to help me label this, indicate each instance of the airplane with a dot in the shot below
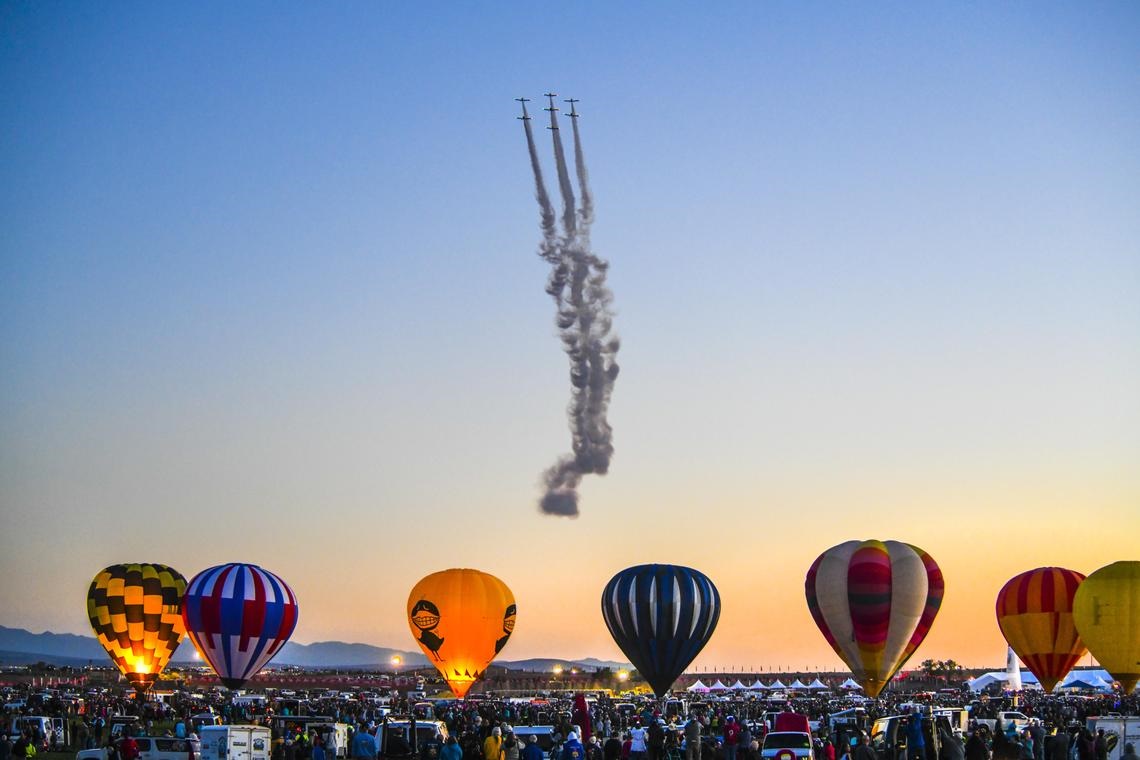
(573, 114)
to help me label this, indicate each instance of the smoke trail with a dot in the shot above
(585, 323)
(568, 214)
(586, 213)
(548, 248)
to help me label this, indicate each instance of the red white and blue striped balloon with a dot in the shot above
(238, 616)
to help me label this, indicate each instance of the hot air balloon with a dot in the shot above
(661, 616)
(461, 619)
(238, 616)
(136, 613)
(874, 602)
(1106, 609)
(1035, 614)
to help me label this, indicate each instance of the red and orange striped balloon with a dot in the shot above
(874, 602)
(1035, 614)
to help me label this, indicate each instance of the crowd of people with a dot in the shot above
(602, 727)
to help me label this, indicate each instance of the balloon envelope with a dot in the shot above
(136, 613)
(238, 616)
(1106, 609)
(661, 616)
(874, 602)
(461, 619)
(1035, 614)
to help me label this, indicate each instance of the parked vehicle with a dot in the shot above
(150, 748)
(235, 742)
(47, 731)
(889, 736)
(425, 731)
(787, 745)
(333, 734)
(1118, 731)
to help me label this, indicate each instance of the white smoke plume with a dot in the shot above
(584, 316)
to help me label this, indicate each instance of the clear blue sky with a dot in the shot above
(269, 292)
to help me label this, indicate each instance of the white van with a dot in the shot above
(235, 742)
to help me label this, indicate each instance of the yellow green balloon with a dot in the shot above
(1106, 610)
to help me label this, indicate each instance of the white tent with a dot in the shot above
(798, 684)
(738, 686)
(718, 686)
(757, 686)
(777, 684)
(1097, 678)
(698, 686)
(817, 684)
(850, 684)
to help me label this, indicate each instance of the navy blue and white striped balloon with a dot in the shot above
(661, 616)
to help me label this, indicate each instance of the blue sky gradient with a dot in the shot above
(269, 292)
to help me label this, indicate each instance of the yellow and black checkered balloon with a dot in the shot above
(136, 612)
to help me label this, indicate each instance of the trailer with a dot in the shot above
(1118, 731)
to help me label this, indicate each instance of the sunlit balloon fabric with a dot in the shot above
(874, 602)
(239, 616)
(1106, 609)
(461, 619)
(661, 616)
(136, 613)
(1035, 614)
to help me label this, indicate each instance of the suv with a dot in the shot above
(787, 745)
(151, 748)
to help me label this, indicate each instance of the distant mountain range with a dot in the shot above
(21, 647)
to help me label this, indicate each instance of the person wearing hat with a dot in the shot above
(573, 749)
(532, 751)
(510, 743)
(493, 744)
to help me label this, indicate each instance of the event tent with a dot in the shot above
(738, 686)
(718, 686)
(698, 686)
(798, 684)
(777, 684)
(850, 684)
(757, 686)
(1097, 678)
(817, 684)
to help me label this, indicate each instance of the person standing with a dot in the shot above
(451, 749)
(363, 744)
(693, 739)
(731, 737)
(493, 745)
(129, 748)
(573, 749)
(863, 749)
(1037, 733)
(915, 741)
(637, 746)
(1100, 746)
